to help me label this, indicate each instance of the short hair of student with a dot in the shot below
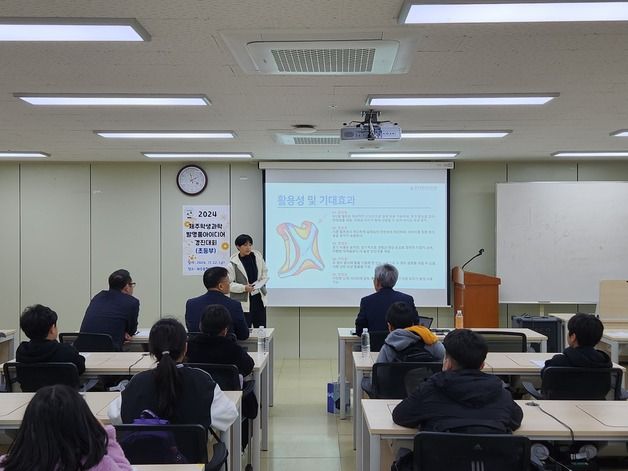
(213, 276)
(58, 432)
(587, 327)
(400, 315)
(467, 348)
(37, 320)
(215, 319)
(243, 239)
(119, 279)
(387, 275)
(166, 342)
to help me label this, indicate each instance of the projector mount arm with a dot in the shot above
(369, 122)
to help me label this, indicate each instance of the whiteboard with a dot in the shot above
(557, 240)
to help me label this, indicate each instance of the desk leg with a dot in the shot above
(265, 405)
(614, 350)
(235, 452)
(362, 453)
(374, 452)
(544, 346)
(271, 372)
(342, 376)
(257, 433)
(357, 410)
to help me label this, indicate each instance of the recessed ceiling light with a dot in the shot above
(403, 155)
(414, 12)
(166, 134)
(454, 134)
(610, 153)
(620, 133)
(22, 154)
(72, 29)
(493, 99)
(198, 155)
(112, 100)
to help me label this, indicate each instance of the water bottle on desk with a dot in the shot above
(365, 341)
(459, 320)
(261, 339)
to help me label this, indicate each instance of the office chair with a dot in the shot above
(397, 380)
(169, 444)
(463, 452)
(574, 383)
(33, 376)
(88, 342)
(504, 341)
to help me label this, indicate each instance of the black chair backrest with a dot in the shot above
(397, 380)
(466, 452)
(426, 321)
(227, 376)
(505, 341)
(88, 342)
(33, 376)
(163, 444)
(573, 383)
(377, 338)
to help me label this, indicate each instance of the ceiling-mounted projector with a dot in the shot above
(370, 128)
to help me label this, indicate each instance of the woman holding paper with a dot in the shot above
(248, 275)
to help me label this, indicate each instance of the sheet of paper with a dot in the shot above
(259, 283)
(84, 354)
(539, 363)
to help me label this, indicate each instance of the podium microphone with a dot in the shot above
(480, 252)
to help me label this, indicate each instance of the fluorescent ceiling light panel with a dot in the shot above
(112, 100)
(72, 29)
(610, 153)
(536, 12)
(454, 134)
(22, 154)
(403, 155)
(198, 155)
(620, 133)
(166, 134)
(462, 100)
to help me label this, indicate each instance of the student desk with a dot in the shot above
(589, 420)
(249, 345)
(346, 341)
(13, 405)
(7, 345)
(615, 338)
(609, 324)
(507, 364)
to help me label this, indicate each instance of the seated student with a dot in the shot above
(585, 332)
(59, 432)
(213, 345)
(39, 323)
(461, 398)
(174, 392)
(407, 341)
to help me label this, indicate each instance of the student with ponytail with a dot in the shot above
(174, 392)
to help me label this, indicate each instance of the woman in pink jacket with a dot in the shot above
(60, 433)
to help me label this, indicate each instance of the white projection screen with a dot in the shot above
(557, 240)
(327, 230)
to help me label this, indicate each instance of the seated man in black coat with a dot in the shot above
(39, 323)
(373, 308)
(216, 280)
(461, 398)
(585, 332)
(114, 311)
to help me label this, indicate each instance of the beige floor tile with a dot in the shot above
(303, 464)
(289, 445)
(345, 427)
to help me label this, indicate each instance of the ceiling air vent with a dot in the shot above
(324, 57)
(292, 139)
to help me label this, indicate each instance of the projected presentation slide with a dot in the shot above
(327, 231)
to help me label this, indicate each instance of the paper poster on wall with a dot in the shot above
(206, 236)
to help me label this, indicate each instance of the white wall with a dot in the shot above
(65, 227)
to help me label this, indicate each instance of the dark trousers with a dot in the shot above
(257, 312)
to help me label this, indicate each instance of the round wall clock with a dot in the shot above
(192, 180)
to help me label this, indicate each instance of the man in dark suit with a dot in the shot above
(216, 280)
(373, 308)
(114, 311)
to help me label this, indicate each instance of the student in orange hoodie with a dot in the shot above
(406, 341)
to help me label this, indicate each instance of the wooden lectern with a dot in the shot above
(477, 296)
